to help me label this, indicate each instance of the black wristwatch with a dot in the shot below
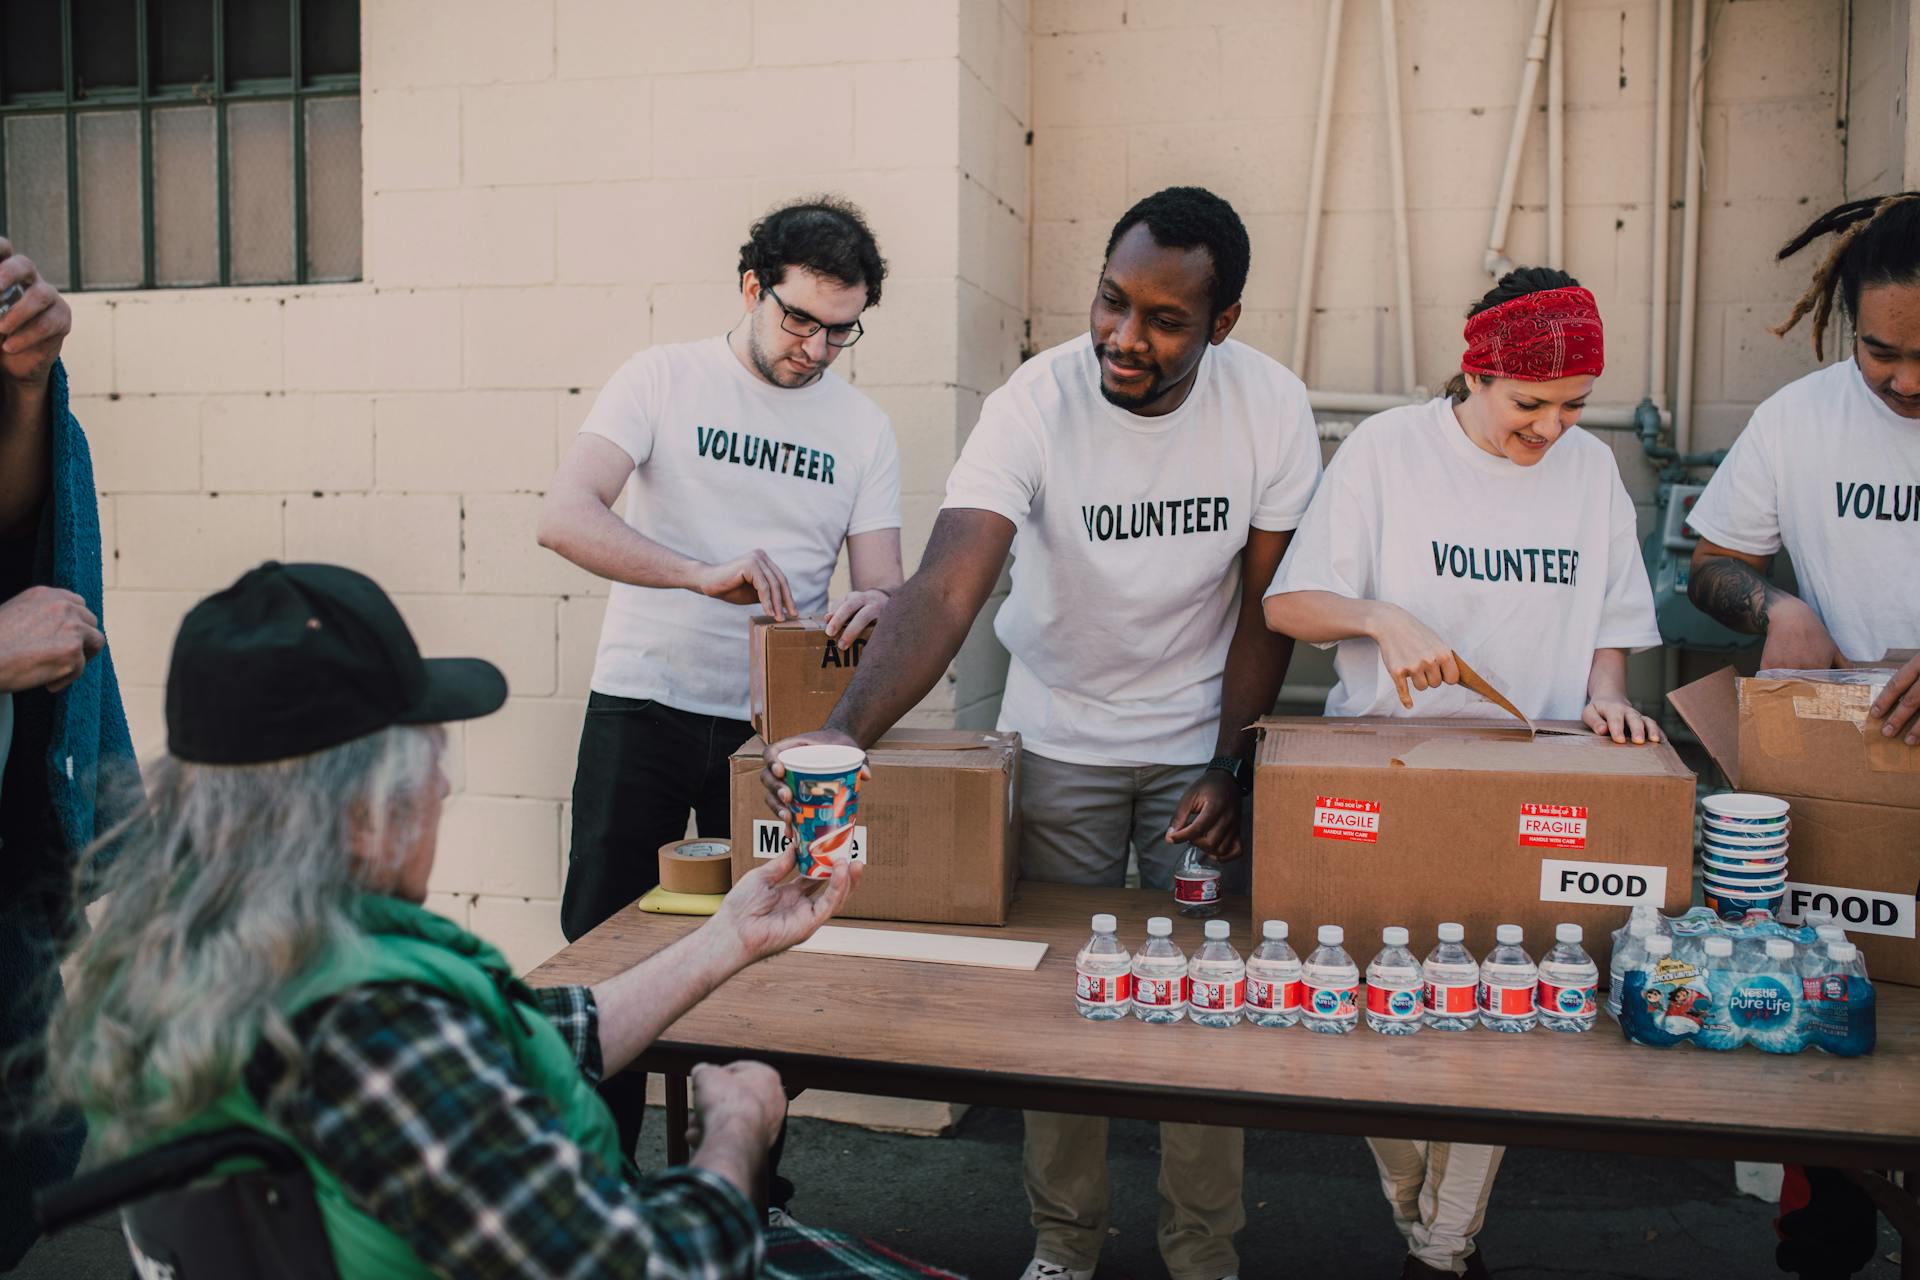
(1234, 767)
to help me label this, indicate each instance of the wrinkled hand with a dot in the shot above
(47, 637)
(739, 1105)
(35, 326)
(1412, 653)
(750, 579)
(1208, 816)
(853, 613)
(773, 774)
(1899, 703)
(1798, 641)
(770, 909)
(1617, 718)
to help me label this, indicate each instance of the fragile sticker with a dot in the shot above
(1855, 910)
(1615, 884)
(1335, 818)
(770, 838)
(1553, 826)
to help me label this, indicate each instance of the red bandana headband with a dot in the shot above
(1536, 337)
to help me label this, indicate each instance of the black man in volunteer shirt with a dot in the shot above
(1828, 467)
(751, 463)
(1146, 477)
(1484, 522)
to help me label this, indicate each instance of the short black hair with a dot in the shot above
(825, 234)
(1876, 241)
(1517, 283)
(1195, 218)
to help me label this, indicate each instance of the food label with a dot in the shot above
(1274, 997)
(1197, 888)
(1338, 1003)
(1335, 818)
(1855, 910)
(1613, 884)
(1219, 997)
(1506, 1002)
(1159, 993)
(1447, 999)
(1399, 1004)
(770, 838)
(1554, 826)
(1569, 1002)
(1114, 990)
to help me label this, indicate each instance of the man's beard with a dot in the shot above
(770, 369)
(1155, 388)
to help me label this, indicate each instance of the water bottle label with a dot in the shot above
(1445, 999)
(1160, 993)
(1760, 1003)
(1401, 1004)
(1115, 990)
(1339, 1003)
(1197, 888)
(1506, 1002)
(1219, 997)
(1273, 997)
(1571, 1002)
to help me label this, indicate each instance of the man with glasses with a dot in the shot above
(750, 462)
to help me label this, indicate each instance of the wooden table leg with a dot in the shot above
(676, 1084)
(1910, 1230)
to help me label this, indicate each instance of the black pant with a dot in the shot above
(643, 765)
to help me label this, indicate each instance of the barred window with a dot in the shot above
(172, 143)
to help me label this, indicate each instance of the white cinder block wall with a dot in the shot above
(551, 184)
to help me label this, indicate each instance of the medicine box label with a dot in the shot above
(1553, 826)
(770, 838)
(1335, 818)
(1616, 884)
(1855, 910)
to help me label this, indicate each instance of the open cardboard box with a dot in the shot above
(1368, 822)
(796, 672)
(937, 826)
(1855, 843)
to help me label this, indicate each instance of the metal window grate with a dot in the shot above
(176, 143)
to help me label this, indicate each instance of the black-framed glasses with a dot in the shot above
(802, 325)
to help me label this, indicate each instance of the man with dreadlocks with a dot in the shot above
(1829, 468)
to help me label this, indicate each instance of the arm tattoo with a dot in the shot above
(1733, 593)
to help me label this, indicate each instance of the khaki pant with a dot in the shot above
(1438, 1193)
(1078, 823)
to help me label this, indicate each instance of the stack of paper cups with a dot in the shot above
(1744, 847)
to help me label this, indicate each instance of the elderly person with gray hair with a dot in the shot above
(263, 959)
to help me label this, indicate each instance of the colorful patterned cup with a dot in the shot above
(1744, 874)
(1744, 808)
(825, 781)
(1733, 904)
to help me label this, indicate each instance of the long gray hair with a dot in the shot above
(230, 881)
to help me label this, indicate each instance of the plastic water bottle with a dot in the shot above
(1829, 933)
(1450, 983)
(1159, 975)
(1273, 979)
(1330, 1002)
(1508, 978)
(1567, 996)
(1216, 980)
(1105, 987)
(1629, 945)
(1717, 1028)
(1196, 883)
(1844, 1020)
(1393, 986)
(1767, 1005)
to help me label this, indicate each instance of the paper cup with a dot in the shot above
(1728, 853)
(1734, 904)
(1749, 831)
(1725, 875)
(825, 781)
(1744, 808)
(1756, 841)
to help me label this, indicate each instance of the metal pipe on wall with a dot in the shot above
(1690, 225)
(1496, 261)
(1316, 184)
(1662, 203)
(1557, 140)
(1397, 171)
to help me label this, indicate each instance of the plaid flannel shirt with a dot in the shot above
(411, 1103)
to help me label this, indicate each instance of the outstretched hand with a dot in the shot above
(770, 909)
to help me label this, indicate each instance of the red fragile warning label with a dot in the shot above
(1335, 818)
(1554, 826)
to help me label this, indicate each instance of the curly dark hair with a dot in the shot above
(1876, 241)
(825, 234)
(1517, 283)
(1195, 218)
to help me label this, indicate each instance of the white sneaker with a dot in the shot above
(1041, 1269)
(778, 1217)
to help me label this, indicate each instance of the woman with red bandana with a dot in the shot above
(1485, 524)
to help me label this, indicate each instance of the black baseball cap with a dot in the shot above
(296, 658)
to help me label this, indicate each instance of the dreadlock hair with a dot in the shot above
(1517, 283)
(1876, 241)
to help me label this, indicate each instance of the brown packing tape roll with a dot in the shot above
(696, 866)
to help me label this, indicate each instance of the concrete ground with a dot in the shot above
(1313, 1206)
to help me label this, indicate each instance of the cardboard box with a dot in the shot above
(796, 673)
(1371, 821)
(938, 826)
(1855, 844)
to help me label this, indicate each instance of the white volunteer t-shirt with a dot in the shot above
(725, 463)
(1523, 571)
(1827, 470)
(1126, 572)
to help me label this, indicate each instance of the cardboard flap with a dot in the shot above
(1710, 707)
(1547, 754)
(939, 740)
(1479, 684)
